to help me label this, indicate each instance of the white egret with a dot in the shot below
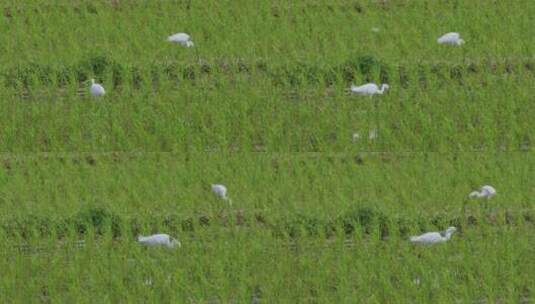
(369, 89)
(430, 238)
(96, 89)
(158, 240)
(451, 38)
(221, 191)
(484, 192)
(181, 38)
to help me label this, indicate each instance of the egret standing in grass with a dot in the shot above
(181, 38)
(486, 192)
(431, 238)
(221, 191)
(158, 240)
(97, 90)
(451, 38)
(369, 89)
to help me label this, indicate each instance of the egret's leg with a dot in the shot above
(376, 117)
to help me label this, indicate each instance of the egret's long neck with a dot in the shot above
(475, 194)
(382, 89)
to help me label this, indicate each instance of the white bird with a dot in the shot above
(96, 89)
(158, 240)
(181, 38)
(451, 38)
(484, 192)
(369, 89)
(430, 238)
(221, 191)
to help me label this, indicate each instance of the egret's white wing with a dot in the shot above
(366, 89)
(220, 190)
(97, 90)
(488, 191)
(449, 37)
(156, 239)
(179, 37)
(427, 238)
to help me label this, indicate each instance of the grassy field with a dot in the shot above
(261, 104)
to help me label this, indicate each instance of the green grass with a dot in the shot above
(484, 112)
(489, 263)
(318, 184)
(278, 31)
(260, 104)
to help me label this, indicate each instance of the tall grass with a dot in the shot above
(314, 184)
(484, 264)
(484, 112)
(283, 32)
(261, 105)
